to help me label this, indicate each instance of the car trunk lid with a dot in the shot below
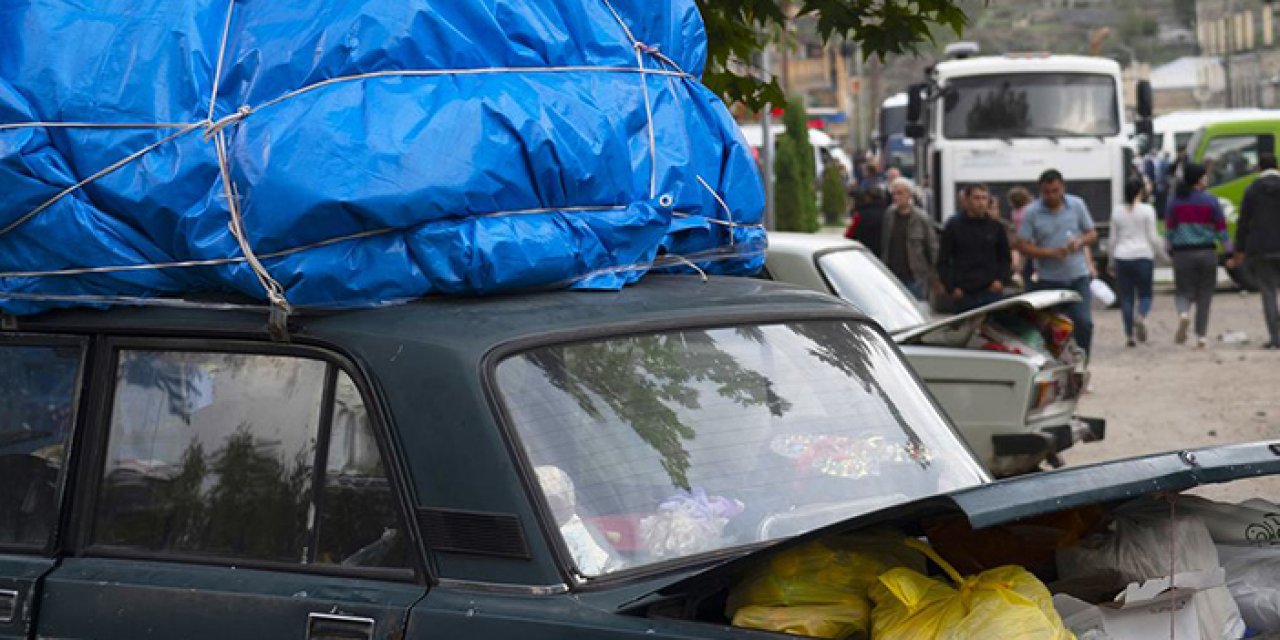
(1032, 301)
(1010, 500)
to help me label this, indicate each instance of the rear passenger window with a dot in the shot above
(216, 454)
(211, 454)
(358, 523)
(37, 412)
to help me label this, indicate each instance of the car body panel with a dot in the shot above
(1031, 300)
(105, 598)
(20, 576)
(423, 369)
(434, 411)
(983, 400)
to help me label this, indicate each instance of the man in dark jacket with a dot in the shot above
(1258, 240)
(973, 258)
(908, 243)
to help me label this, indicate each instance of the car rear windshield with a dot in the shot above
(654, 447)
(863, 281)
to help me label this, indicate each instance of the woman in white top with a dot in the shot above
(1135, 243)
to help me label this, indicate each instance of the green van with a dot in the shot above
(1230, 151)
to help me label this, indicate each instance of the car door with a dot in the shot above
(38, 407)
(232, 491)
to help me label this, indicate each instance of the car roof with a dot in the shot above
(1243, 126)
(1026, 63)
(475, 321)
(782, 242)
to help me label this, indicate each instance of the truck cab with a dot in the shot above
(1003, 120)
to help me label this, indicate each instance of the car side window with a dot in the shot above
(358, 522)
(211, 454)
(37, 413)
(221, 454)
(1230, 158)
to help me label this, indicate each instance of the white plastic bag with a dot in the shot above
(1102, 293)
(1251, 523)
(1138, 548)
(1253, 576)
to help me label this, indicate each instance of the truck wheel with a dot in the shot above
(1243, 278)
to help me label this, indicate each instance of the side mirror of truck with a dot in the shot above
(1145, 105)
(915, 110)
(1144, 127)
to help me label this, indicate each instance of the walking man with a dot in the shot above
(973, 258)
(1258, 240)
(909, 243)
(1055, 231)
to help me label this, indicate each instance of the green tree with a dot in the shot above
(834, 200)
(737, 30)
(795, 174)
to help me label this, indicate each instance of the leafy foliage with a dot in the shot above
(834, 201)
(795, 174)
(739, 29)
(647, 381)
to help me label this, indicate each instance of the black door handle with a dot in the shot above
(335, 626)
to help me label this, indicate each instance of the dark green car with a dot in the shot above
(543, 466)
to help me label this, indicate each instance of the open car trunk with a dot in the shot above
(1006, 325)
(991, 517)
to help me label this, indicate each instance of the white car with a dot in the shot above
(1011, 393)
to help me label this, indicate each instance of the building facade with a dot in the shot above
(1243, 34)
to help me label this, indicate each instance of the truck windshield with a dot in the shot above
(666, 445)
(1031, 105)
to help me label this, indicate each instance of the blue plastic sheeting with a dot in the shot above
(379, 151)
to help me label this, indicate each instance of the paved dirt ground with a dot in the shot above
(1162, 397)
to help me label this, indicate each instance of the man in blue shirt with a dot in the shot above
(1055, 232)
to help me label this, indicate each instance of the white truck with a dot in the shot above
(1003, 120)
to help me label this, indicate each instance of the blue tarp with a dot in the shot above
(378, 150)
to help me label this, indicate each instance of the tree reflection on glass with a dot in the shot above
(243, 500)
(1000, 110)
(839, 346)
(643, 379)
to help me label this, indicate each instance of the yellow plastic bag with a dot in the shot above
(1006, 603)
(819, 589)
(823, 572)
(846, 620)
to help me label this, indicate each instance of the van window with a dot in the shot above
(37, 412)
(1230, 158)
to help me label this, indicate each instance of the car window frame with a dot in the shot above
(80, 400)
(525, 467)
(103, 387)
(1263, 141)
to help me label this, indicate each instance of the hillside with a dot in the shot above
(1151, 31)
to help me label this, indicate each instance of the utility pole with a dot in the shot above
(1229, 45)
(766, 145)
(859, 105)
